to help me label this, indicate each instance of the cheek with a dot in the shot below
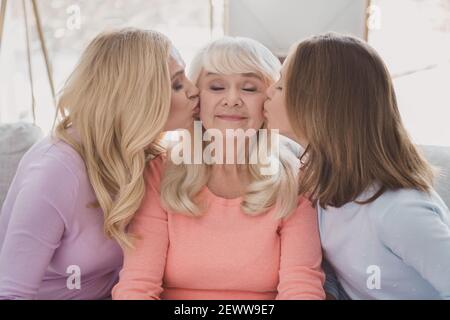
(272, 104)
(206, 110)
(283, 111)
(255, 110)
(179, 112)
(176, 113)
(178, 101)
(277, 109)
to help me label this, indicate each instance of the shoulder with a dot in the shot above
(52, 170)
(403, 201)
(52, 155)
(407, 209)
(304, 213)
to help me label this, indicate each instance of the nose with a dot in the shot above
(270, 91)
(233, 98)
(192, 91)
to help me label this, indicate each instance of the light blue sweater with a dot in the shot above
(397, 247)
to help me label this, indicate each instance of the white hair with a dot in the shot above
(235, 55)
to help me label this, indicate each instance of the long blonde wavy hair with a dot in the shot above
(182, 183)
(117, 100)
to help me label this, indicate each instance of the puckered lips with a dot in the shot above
(196, 108)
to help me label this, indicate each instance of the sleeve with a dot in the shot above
(300, 275)
(42, 206)
(143, 269)
(416, 231)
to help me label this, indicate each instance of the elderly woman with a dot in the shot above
(221, 229)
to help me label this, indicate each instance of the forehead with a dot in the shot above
(175, 68)
(176, 63)
(285, 65)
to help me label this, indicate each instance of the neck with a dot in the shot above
(228, 180)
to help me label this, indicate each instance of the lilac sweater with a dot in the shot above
(52, 245)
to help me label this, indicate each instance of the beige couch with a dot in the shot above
(15, 140)
(440, 158)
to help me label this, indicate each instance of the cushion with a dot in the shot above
(15, 140)
(439, 157)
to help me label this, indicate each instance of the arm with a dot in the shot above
(36, 226)
(331, 286)
(143, 270)
(300, 272)
(415, 231)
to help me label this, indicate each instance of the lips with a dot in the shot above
(196, 108)
(264, 109)
(231, 117)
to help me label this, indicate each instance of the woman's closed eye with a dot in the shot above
(250, 89)
(216, 88)
(177, 86)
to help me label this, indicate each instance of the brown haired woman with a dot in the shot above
(383, 228)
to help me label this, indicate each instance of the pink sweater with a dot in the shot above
(224, 254)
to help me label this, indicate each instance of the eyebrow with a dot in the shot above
(177, 74)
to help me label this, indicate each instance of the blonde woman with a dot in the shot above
(67, 210)
(384, 229)
(225, 231)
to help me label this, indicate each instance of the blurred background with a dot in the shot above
(412, 36)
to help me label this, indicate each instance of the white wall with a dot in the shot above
(279, 23)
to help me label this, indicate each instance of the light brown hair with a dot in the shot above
(340, 98)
